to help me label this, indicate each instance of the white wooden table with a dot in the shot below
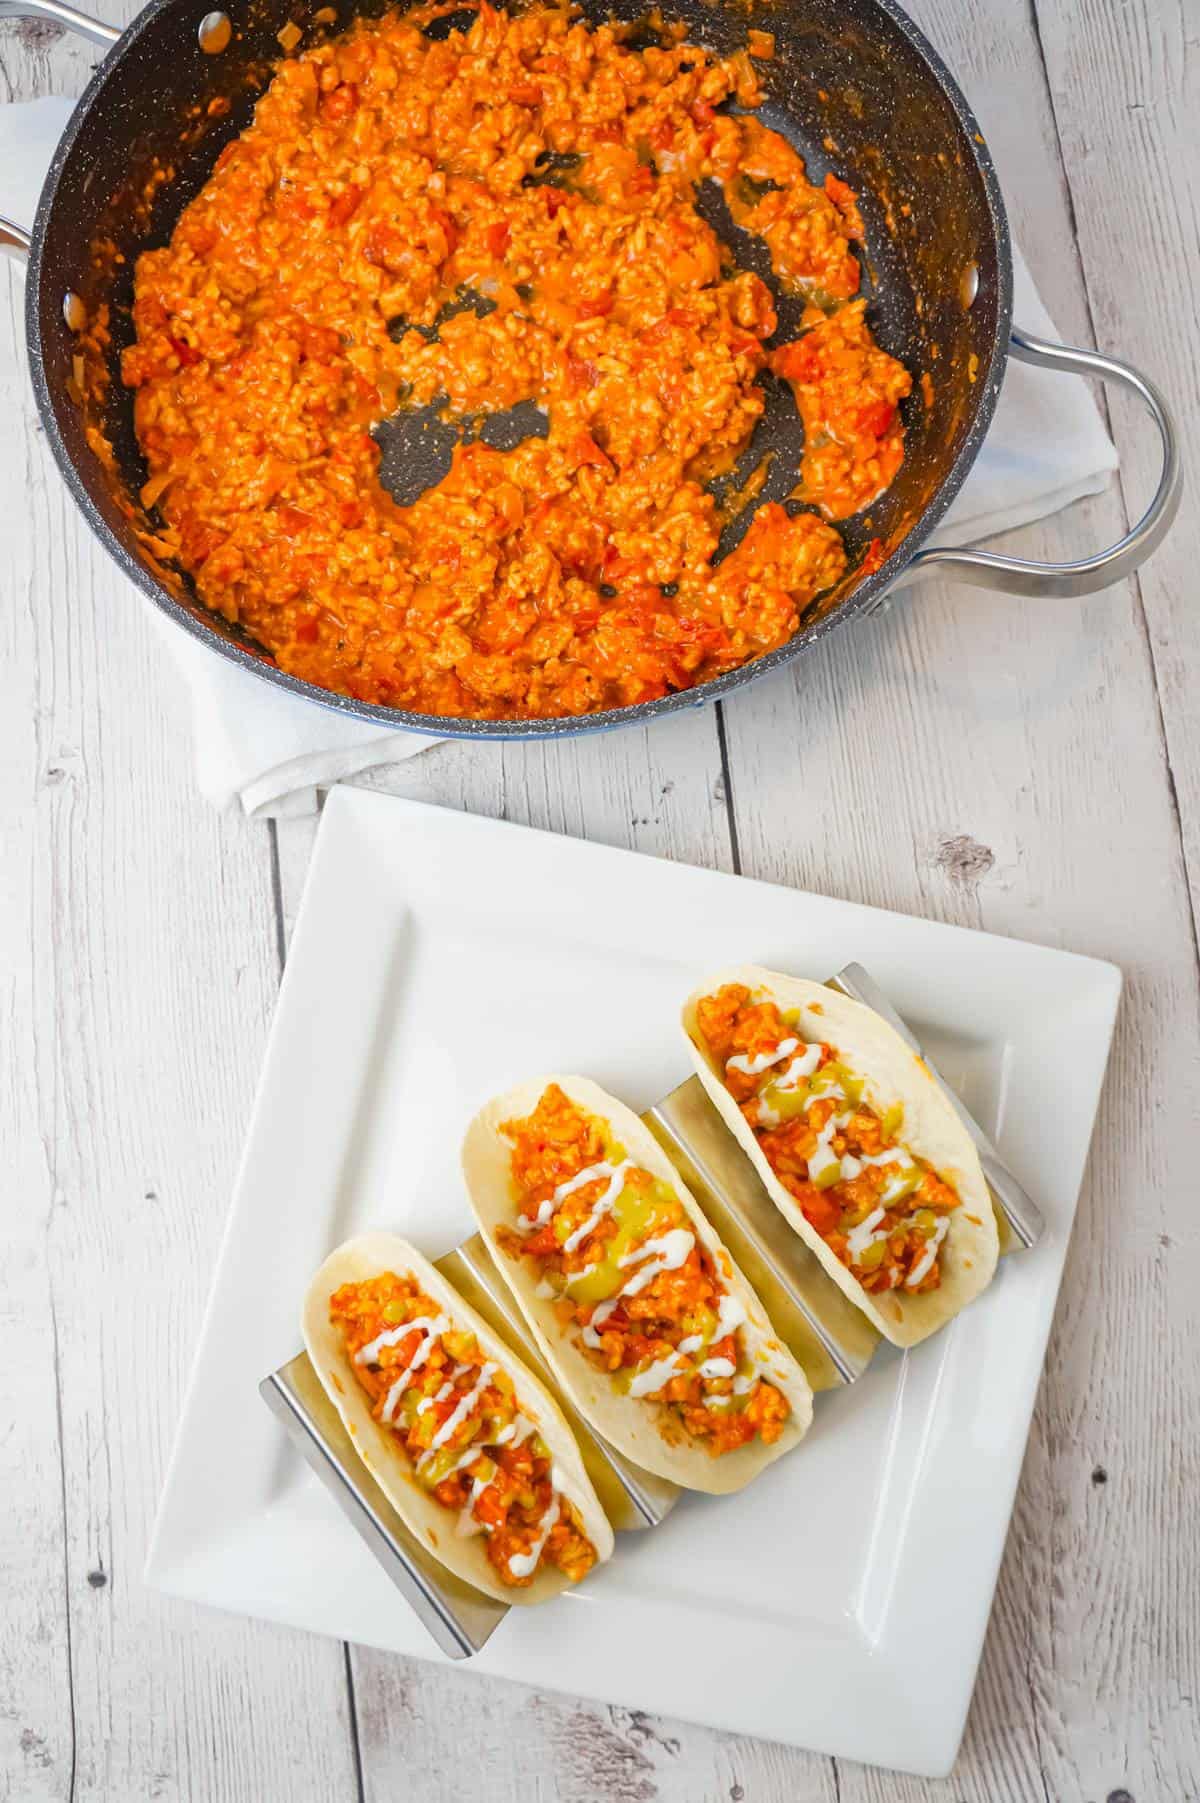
(1031, 768)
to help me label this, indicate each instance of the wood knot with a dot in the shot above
(39, 34)
(964, 860)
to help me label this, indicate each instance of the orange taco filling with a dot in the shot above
(881, 1209)
(455, 1413)
(642, 1296)
(473, 213)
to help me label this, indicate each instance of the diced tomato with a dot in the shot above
(293, 520)
(490, 1507)
(319, 344)
(498, 237)
(839, 192)
(340, 103)
(702, 113)
(184, 351)
(663, 136)
(585, 450)
(306, 632)
(346, 204)
(580, 373)
(877, 419)
(799, 362)
(820, 1210)
(597, 306)
(555, 198)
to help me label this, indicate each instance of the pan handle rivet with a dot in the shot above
(215, 33)
(74, 311)
(968, 286)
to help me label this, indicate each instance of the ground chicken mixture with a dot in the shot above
(634, 1285)
(880, 1208)
(471, 220)
(455, 1415)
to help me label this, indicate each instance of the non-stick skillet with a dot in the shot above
(854, 73)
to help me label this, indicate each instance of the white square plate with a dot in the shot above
(840, 1603)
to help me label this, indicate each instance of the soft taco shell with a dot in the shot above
(891, 1073)
(644, 1431)
(382, 1453)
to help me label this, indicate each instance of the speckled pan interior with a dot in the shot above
(853, 84)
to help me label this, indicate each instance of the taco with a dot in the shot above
(854, 1141)
(465, 1441)
(641, 1313)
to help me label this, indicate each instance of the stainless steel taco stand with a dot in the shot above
(832, 1340)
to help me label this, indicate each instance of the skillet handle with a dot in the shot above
(1019, 575)
(14, 239)
(55, 12)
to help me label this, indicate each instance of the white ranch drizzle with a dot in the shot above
(865, 1234)
(428, 1402)
(392, 1336)
(799, 1068)
(459, 1413)
(666, 1253)
(591, 1173)
(731, 1314)
(655, 1375)
(467, 1526)
(605, 1204)
(924, 1264)
(754, 1067)
(824, 1157)
(600, 1314)
(431, 1326)
(523, 1565)
(898, 1185)
(514, 1432)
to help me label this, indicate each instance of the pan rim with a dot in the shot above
(865, 598)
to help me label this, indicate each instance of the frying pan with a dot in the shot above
(855, 87)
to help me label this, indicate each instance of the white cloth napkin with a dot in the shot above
(270, 752)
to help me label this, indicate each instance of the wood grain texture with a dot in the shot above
(1124, 76)
(138, 968)
(1027, 768)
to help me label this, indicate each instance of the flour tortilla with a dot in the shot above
(647, 1432)
(384, 1456)
(891, 1073)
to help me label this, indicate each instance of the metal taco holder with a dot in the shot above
(831, 1339)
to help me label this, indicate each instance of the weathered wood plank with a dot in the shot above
(1125, 83)
(139, 966)
(974, 758)
(981, 759)
(35, 1671)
